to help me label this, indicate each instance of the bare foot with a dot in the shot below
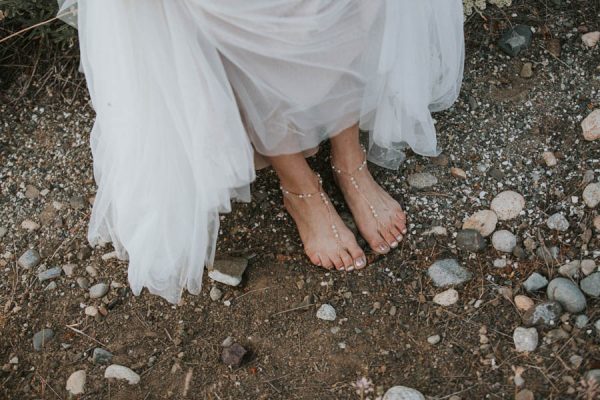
(327, 241)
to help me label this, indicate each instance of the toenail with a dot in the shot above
(404, 231)
(383, 247)
(394, 244)
(399, 238)
(342, 268)
(360, 262)
(350, 268)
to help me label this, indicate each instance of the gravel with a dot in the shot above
(557, 222)
(41, 338)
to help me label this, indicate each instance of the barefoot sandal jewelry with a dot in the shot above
(351, 176)
(321, 194)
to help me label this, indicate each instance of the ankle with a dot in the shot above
(301, 186)
(350, 160)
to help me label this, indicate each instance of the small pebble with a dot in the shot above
(98, 290)
(76, 383)
(434, 339)
(523, 303)
(233, 355)
(326, 313)
(101, 356)
(567, 294)
(535, 282)
(591, 285)
(526, 339)
(446, 298)
(115, 371)
(557, 222)
(483, 221)
(215, 293)
(504, 241)
(591, 195)
(403, 393)
(507, 205)
(41, 338)
(421, 180)
(549, 158)
(581, 321)
(29, 259)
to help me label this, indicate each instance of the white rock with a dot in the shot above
(483, 221)
(446, 298)
(591, 126)
(557, 222)
(436, 230)
(326, 313)
(434, 339)
(591, 195)
(30, 225)
(76, 383)
(215, 293)
(120, 372)
(549, 158)
(526, 339)
(590, 39)
(507, 205)
(421, 180)
(500, 263)
(91, 311)
(403, 393)
(504, 241)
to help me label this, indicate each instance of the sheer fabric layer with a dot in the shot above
(172, 81)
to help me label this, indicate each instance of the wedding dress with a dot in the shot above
(185, 92)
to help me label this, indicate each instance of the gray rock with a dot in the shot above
(516, 40)
(215, 293)
(69, 269)
(567, 294)
(31, 258)
(326, 312)
(526, 339)
(557, 222)
(499, 263)
(588, 176)
(233, 355)
(228, 270)
(448, 272)
(120, 372)
(519, 253)
(535, 282)
(470, 240)
(547, 313)
(504, 241)
(101, 356)
(76, 383)
(581, 321)
(591, 285)
(507, 205)
(403, 393)
(555, 335)
(51, 273)
(41, 338)
(98, 290)
(591, 195)
(421, 180)
(83, 283)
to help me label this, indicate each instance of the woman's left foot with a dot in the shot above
(379, 218)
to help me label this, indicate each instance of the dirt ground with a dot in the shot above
(496, 132)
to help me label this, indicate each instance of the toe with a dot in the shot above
(390, 239)
(394, 231)
(358, 255)
(326, 262)
(314, 259)
(379, 245)
(337, 262)
(400, 222)
(347, 260)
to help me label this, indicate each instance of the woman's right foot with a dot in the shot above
(327, 240)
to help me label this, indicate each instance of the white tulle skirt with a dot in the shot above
(185, 91)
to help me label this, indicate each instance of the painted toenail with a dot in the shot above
(394, 244)
(360, 262)
(399, 238)
(350, 268)
(383, 247)
(342, 268)
(404, 231)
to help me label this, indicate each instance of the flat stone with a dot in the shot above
(570, 269)
(421, 180)
(483, 221)
(115, 371)
(567, 294)
(535, 282)
(591, 126)
(446, 298)
(504, 241)
(326, 312)
(588, 266)
(507, 205)
(557, 222)
(402, 393)
(50, 273)
(448, 272)
(591, 285)
(515, 40)
(523, 303)
(30, 259)
(470, 240)
(76, 383)
(98, 290)
(591, 195)
(547, 313)
(434, 339)
(590, 39)
(101, 356)
(526, 339)
(233, 355)
(41, 338)
(228, 270)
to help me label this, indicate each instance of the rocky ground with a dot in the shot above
(493, 294)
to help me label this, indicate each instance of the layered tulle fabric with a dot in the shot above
(185, 90)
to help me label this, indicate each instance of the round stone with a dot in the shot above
(557, 222)
(446, 298)
(507, 205)
(591, 195)
(98, 290)
(526, 339)
(567, 294)
(483, 221)
(403, 393)
(326, 312)
(591, 285)
(523, 303)
(76, 383)
(504, 241)
(434, 339)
